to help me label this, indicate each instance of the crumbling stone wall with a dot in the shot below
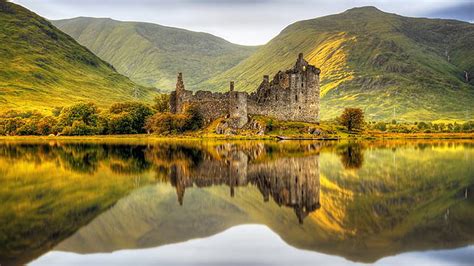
(292, 95)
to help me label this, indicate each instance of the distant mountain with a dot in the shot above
(391, 66)
(152, 54)
(41, 67)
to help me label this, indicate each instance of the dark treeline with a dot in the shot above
(87, 119)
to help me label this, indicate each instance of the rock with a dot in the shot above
(314, 131)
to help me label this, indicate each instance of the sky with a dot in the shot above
(247, 22)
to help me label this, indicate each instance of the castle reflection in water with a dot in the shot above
(290, 181)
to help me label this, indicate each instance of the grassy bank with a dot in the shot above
(196, 136)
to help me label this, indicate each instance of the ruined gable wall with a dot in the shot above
(292, 95)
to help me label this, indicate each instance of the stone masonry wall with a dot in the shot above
(292, 95)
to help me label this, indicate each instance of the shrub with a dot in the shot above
(352, 118)
(270, 125)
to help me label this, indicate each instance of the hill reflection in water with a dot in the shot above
(362, 201)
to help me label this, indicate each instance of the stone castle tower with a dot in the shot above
(292, 95)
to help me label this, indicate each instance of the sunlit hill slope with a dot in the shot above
(41, 67)
(389, 65)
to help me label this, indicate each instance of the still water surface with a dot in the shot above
(237, 203)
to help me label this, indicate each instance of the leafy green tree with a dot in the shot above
(166, 123)
(12, 125)
(46, 125)
(128, 118)
(29, 128)
(121, 124)
(457, 127)
(382, 126)
(87, 113)
(352, 118)
(423, 125)
(79, 118)
(449, 127)
(195, 119)
(468, 126)
(80, 128)
(162, 103)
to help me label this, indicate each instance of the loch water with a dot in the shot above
(163, 202)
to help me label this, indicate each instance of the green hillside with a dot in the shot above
(152, 54)
(41, 67)
(381, 62)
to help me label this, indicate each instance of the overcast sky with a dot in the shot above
(247, 22)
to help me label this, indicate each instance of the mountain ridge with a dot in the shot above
(374, 60)
(152, 54)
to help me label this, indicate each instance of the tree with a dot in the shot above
(46, 125)
(352, 118)
(195, 119)
(423, 125)
(128, 118)
(165, 123)
(121, 124)
(381, 126)
(84, 112)
(79, 128)
(162, 103)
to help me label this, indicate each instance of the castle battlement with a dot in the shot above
(292, 95)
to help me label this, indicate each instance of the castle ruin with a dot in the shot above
(292, 95)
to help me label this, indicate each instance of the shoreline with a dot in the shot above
(158, 138)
